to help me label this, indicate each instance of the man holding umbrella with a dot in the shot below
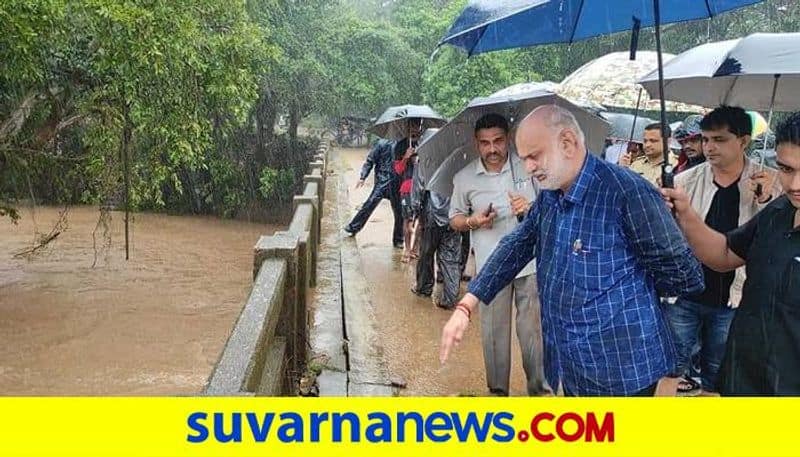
(403, 124)
(762, 354)
(489, 195)
(649, 165)
(723, 191)
(381, 157)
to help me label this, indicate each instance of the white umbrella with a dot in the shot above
(742, 72)
(453, 146)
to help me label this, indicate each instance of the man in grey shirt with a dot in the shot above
(489, 197)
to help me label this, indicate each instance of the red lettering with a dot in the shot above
(563, 433)
(587, 428)
(543, 437)
(600, 433)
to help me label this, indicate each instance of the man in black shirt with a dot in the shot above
(722, 192)
(762, 355)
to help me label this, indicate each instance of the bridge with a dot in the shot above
(333, 316)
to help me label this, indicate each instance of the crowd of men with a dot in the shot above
(643, 289)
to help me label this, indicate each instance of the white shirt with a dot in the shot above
(474, 188)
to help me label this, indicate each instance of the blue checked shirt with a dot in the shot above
(606, 250)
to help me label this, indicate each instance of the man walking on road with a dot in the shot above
(606, 247)
(381, 157)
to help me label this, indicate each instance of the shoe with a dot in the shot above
(348, 233)
(418, 293)
(399, 245)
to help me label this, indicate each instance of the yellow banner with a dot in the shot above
(440, 427)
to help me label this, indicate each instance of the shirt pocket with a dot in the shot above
(591, 264)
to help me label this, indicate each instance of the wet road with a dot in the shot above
(411, 326)
(154, 325)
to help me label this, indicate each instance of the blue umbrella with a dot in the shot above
(487, 25)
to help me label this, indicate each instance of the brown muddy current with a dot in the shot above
(154, 325)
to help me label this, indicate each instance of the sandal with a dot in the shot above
(688, 386)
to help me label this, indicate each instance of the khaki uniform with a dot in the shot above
(650, 170)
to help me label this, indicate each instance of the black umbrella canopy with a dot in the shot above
(622, 123)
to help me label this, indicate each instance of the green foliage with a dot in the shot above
(167, 80)
(275, 182)
(453, 80)
(190, 90)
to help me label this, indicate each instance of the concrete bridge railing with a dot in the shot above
(266, 351)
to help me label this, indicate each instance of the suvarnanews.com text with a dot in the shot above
(399, 427)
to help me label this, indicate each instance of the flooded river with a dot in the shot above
(153, 325)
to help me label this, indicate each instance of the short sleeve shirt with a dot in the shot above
(474, 188)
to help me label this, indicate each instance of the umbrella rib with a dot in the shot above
(708, 8)
(730, 89)
(477, 42)
(577, 18)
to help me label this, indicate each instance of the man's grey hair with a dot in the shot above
(558, 118)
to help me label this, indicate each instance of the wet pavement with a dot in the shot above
(410, 326)
(154, 325)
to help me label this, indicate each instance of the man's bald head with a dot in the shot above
(551, 144)
(555, 119)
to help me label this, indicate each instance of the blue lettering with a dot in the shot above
(499, 424)
(236, 428)
(383, 425)
(402, 418)
(355, 427)
(316, 423)
(295, 425)
(260, 432)
(471, 426)
(446, 426)
(194, 424)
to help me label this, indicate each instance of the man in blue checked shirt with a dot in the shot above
(607, 249)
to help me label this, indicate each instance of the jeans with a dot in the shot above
(690, 321)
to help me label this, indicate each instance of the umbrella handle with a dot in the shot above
(759, 187)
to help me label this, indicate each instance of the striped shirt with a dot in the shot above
(606, 250)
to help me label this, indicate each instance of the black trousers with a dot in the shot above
(445, 244)
(372, 202)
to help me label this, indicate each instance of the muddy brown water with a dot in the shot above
(409, 325)
(154, 325)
